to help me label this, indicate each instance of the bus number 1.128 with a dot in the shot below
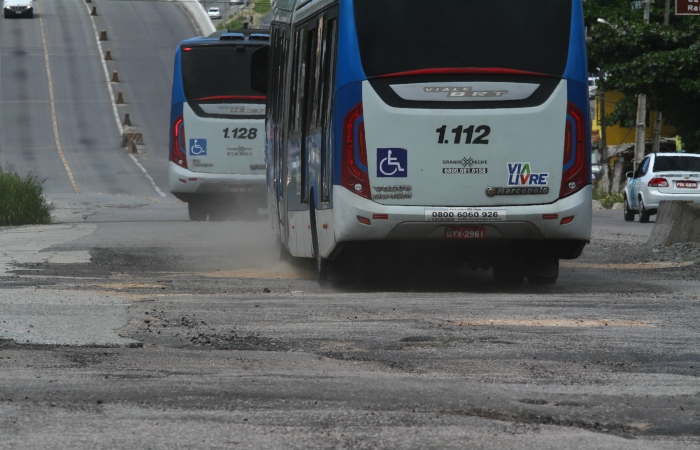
(241, 133)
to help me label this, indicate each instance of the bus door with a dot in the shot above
(316, 109)
(278, 70)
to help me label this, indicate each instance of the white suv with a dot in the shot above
(661, 176)
(18, 8)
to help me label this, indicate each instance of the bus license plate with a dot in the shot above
(465, 214)
(687, 184)
(465, 232)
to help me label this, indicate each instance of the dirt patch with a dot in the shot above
(571, 323)
(629, 266)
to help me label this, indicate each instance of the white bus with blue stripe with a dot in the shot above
(406, 130)
(217, 125)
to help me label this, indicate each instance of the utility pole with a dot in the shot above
(658, 123)
(0, 86)
(639, 145)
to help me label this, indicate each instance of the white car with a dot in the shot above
(661, 176)
(592, 87)
(18, 8)
(235, 2)
(214, 13)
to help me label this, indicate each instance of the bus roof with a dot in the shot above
(234, 37)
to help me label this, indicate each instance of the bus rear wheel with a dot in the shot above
(544, 273)
(197, 211)
(322, 264)
(507, 274)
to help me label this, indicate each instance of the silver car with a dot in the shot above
(661, 176)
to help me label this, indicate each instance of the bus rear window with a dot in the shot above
(407, 35)
(217, 71)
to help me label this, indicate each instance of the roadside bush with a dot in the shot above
(609, 200)
(258, 10)
(21, 199)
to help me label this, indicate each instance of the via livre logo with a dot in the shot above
(520, 174)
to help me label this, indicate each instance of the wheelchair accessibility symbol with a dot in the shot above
(198, 147)
(392, 163)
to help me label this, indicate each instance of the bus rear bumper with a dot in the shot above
(568, 219)
(184, 183)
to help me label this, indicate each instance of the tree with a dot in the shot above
(660, 61)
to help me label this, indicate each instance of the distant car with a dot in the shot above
(592, 87)
(18, 8)
(235, 2)
(661, 176)
(214, 13)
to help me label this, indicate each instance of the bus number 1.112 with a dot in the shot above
(481, 132)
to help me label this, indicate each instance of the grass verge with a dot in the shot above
(258, 10)
(21, 199)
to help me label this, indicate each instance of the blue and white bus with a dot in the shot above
(217, 125)
(456, 129)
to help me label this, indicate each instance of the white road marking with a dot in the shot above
(53, 104)
(114, 103)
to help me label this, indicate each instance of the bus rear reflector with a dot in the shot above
(567, 220)
(353, 177)
(178, 150)
(575, 169)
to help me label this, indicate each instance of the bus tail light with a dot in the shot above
(575, 173)
(178, 150)
(658, 182)
(354, 167)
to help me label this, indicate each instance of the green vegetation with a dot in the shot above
(262, 7)
(608, 200)
(21, 199)
(236, 23)
(258, 10)
(661, 61)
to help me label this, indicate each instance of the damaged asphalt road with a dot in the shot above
(152, 334)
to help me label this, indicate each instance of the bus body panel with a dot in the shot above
(226, 145)
(453, 157)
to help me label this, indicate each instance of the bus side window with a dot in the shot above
(318, 76)
(298, 80)
(325, 105)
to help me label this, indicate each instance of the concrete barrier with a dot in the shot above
(200, 17)
(676, 222)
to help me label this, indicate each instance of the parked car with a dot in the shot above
(661, 176)
(235, 2)
(214, 13)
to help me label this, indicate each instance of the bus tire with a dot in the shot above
(197, 211)
(643, 213)
(508, 275)
(322, 264)
(544, 274)
(629, 214)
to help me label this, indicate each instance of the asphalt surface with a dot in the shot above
(124, 325)
(121, 331)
